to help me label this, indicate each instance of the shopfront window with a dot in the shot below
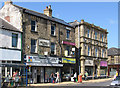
(68, 49)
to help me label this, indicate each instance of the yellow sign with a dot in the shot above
(69, 60)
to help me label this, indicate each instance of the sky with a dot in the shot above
(103, 14)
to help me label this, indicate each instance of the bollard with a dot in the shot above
(79, 78)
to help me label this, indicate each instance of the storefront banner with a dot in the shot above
(68, 43)
(44, 42)
(88, 62)
(39, 64)
(45, 60)
(69, 60)
(103, 63)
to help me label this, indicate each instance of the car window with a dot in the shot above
(118, 78)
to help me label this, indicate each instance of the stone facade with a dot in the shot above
(93, 43)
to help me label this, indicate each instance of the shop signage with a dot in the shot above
(68, 43)
(89, 62)
(43, 42)
(103, 63)
(45, 60)
(69, 60)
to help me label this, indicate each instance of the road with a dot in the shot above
(88, 84)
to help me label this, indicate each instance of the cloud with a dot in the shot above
(111, 21)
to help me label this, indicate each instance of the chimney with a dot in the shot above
(48, 11)
(8, 2)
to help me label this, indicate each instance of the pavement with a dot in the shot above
(70, 83)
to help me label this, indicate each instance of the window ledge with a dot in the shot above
(33, 53)
(53, 35)
(68, 39)
(34, 31)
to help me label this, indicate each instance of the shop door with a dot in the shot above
(40, 75)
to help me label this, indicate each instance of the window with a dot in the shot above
(52, 48)
(88, 34)
(33, 26)
(96, 52)
(102, 53)
(53, 29)
(33, 45)
(102, 37)
(68, 34)
(14, 40)
(95, 35)
(88, 51)
(68, 49)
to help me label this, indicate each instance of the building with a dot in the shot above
(113, 61)
(48, 43)
(10, 47)
(93, 42)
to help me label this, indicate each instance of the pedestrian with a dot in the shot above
(57, 78)
(86, 75)
(52, 77)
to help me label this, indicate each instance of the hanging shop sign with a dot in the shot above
(88, 62)
(43, 60)
(68, 43)
(103, 63)
(44, 42)
(69, 60)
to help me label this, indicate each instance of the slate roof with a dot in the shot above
(113, 51)
(7, 26)
(25, 10)
(76, 23)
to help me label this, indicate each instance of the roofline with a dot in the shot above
(10, 29)
(93, 26)
(51, 19)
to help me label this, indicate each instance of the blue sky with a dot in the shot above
(103, 14)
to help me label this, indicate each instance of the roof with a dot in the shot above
(25, 10)
(113, 51)
(7, 26)
(76, 23)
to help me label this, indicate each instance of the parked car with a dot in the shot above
(116, 82)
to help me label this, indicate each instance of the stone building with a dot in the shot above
(46, 39)
(113, 61)
(93, 42)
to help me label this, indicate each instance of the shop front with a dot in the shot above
(40, 68)
(103, 68)
(89, 67)
(68, 69)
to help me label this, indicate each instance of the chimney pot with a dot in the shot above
(46, 7)
(49, 6)
(8, 2)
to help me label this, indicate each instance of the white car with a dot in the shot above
(116, 82)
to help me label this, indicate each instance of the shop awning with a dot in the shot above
(39, 64)
(12, 65)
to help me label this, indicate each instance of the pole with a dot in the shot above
(79, 48)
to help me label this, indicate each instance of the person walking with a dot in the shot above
(86, 75)
(57, 78)
(52, 77)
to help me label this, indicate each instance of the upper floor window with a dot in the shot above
(53, 29)
(52, 48)
(103, 53)
(96, 52)
(14, 40)
(33, 45)
(88, 50)
(88, 34)
(33, 25)
(68, 34)
(68, 49)
(102, 37)
(95, 35)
